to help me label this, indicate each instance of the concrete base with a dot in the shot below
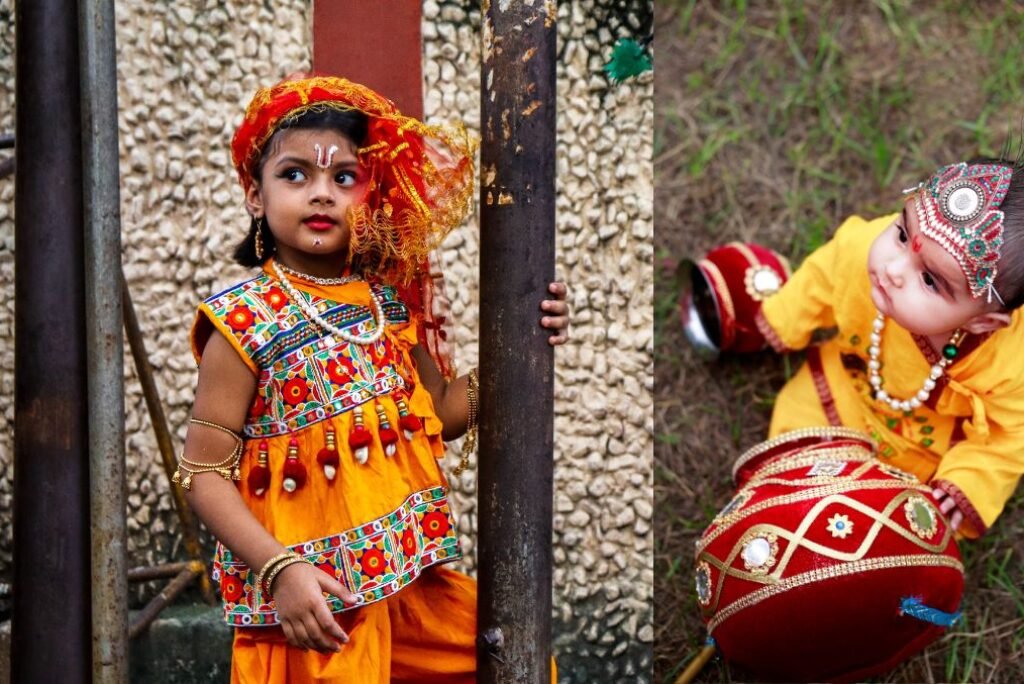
(190, 644)
(187, 644)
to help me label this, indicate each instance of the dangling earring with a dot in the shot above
(259, 239)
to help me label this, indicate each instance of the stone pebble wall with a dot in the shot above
(184, 79)
(6, 294)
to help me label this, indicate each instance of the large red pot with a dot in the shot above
(828, 564)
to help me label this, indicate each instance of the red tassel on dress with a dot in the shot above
(259, 476)
(359, 438)
(294, 471)
(328, 456)
(388, 437)
(409, 423)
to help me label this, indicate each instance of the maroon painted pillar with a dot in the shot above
(377, 44)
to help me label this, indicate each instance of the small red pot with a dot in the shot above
(720, 295)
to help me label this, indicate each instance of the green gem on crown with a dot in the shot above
(982, 277)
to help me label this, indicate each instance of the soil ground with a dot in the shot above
(774, 121)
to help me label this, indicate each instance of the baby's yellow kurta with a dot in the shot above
(968, 438)
(381, 527)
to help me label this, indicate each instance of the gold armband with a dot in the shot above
(228, 468)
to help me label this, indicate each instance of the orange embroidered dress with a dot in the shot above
(373, 525)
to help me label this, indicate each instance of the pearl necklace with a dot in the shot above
(376, 308)
(344, 280)
(949, 353)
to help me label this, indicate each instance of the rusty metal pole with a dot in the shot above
(517, 258)
(177, 585)
(104, 342)
(137, 344)
(51, 602)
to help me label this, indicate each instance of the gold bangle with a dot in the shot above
(473, 399)
(269, 581)
(269, 565)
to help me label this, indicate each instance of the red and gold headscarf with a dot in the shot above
(420, 182)
(420, 176)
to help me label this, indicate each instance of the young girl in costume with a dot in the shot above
(320, 411)
(927, 358)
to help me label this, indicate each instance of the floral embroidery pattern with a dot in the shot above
(275, 298)
(313, 375)
(409, 542)
(240, 318)
(340, 369)
(839, 526)
(257, 408)
(374, 560)
(435, 525)
(295, 391)
(231, 588)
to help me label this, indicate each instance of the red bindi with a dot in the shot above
(916, 243)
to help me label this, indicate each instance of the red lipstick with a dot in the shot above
(320, 222)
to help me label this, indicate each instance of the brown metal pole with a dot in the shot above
(137, 344)
(517, 253)
(51, 601)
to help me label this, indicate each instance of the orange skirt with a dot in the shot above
(424, 633)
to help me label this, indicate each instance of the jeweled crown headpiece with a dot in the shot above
(958, 207)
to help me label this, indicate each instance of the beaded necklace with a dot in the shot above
(344, 280)
(377, 309)
(949, 352)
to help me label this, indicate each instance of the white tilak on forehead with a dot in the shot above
(324, 158)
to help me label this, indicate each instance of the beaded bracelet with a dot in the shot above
(473, 399)
(228, 468)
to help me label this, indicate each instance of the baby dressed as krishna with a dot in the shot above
(927, 356)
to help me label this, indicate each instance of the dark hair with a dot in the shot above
(351, 123)
(1009, 282)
